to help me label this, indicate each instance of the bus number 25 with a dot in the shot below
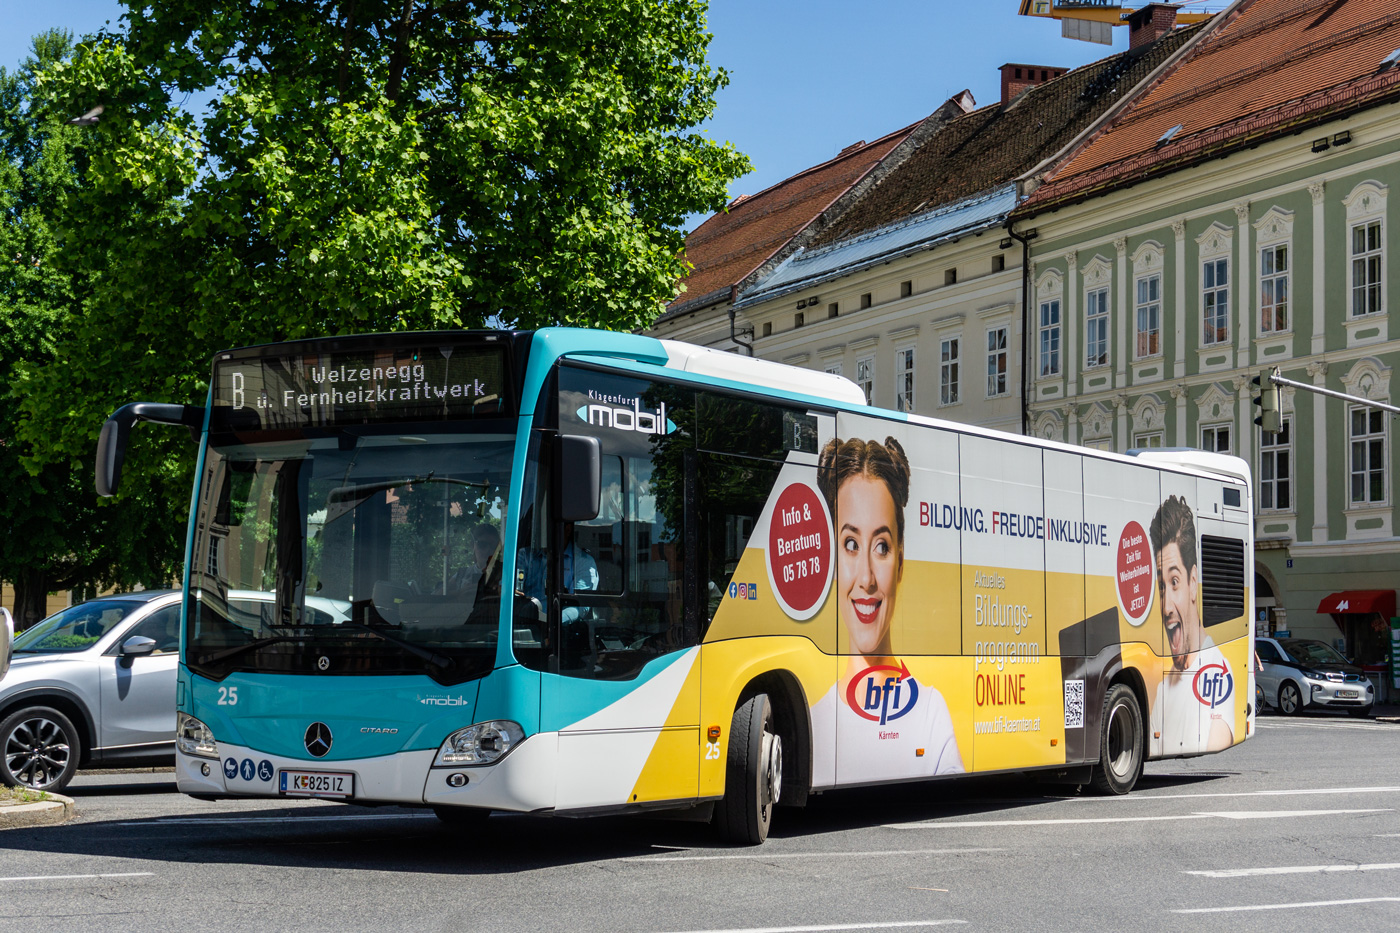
(712, 752)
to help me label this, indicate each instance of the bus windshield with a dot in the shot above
(373, 550)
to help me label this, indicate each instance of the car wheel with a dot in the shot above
(1360, 712)
(1290, 701)
(1120, 742)
(38, 749)
(753, 778)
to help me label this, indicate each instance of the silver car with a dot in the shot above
(1297, 673)
(93, 684)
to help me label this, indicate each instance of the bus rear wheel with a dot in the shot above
(753, 778)
(1120, 742)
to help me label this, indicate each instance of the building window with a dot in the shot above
(1146, 441)
(1149, 316)
(1215, 301)
(834, 368)
(1276, 470)
(1215, 438)
(767, 328)
(833, 309)
(1273, 289)
(906, 289)
(1050, 338)
(799, 319)
(999, 263)
(950, 276)
(865, 378)
(1367, 455)
(865, 301)
(948, 371)
(1100, 443)
(996, 362)
(1096, 328)
(213, 562)
(904, 379)
(1366, 258)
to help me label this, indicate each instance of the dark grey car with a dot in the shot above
(93, 684)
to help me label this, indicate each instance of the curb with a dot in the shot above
(57, 809)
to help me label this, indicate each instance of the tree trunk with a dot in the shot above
(31, 598)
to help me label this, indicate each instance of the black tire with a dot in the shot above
(1290, 699)
(39, 749)
(753, 777)
(1121, 751)
(462, 817)
(1360, 712)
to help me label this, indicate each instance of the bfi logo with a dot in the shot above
(1213, 685)
(882, 693)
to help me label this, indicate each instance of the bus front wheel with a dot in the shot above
(753, 778)
(1120, 742)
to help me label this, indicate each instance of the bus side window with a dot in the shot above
(733, 491)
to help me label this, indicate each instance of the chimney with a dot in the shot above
(1017, 78)
(1148, 24)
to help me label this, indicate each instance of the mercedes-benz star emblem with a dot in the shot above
(318, 739)
(323, 662)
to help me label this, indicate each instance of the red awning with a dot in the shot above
(1362, 601)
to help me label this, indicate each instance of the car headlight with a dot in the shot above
(480, 744)
(194, 738)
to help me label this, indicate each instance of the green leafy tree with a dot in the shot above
(53, 535)
(293, 168)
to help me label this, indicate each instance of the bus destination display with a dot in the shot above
(402, 384)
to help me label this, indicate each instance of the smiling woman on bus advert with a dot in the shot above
(888, 725)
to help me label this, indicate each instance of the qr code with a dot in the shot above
(1074, 704)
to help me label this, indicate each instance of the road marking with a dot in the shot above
(1246, 793)
(233, 818)
(897, 924)
(1292, 870)
(762, 857)
(1223, 814)
(1294, 906)
(115, 874)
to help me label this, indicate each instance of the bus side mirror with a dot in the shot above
(578, 471)
(111, 445)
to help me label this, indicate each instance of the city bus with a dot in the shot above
(575, 572)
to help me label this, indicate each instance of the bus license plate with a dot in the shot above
(318, 784)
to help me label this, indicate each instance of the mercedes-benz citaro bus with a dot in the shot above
(576, 572)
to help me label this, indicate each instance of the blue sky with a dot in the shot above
(807, 78)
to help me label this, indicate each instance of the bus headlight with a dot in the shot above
(480, 744)
(194, 738)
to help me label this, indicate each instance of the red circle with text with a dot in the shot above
(799, 550)
(1135, 573)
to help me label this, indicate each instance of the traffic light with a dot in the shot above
(1270, 418)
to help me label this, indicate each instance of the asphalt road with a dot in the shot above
(1299, 829)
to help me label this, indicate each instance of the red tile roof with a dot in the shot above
(729, 246)
(1273, 68)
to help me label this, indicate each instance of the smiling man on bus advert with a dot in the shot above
(1192, 711)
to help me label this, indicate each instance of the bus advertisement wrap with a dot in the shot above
(967, 572)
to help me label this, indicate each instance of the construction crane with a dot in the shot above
(1093, 20)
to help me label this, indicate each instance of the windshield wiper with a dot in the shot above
(251, 646)
(431, 657)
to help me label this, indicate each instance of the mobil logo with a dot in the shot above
(1213, 685)
(882, 693)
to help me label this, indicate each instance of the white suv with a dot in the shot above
(1301, 672)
